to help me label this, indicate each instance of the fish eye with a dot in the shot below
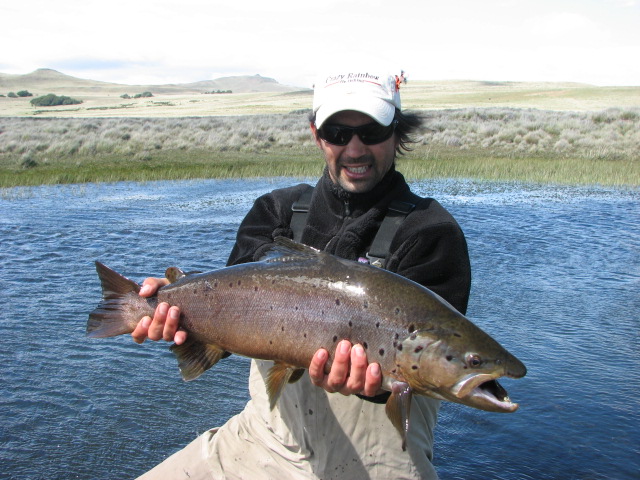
(473, 360)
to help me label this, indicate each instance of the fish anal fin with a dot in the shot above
(278, 377)
(195, 357)
(398, 409)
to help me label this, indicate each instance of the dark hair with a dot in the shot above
(408, 123)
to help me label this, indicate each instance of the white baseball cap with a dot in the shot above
(373, 94)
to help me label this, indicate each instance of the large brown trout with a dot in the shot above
(297, 300)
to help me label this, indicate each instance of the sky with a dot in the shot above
(140, 42)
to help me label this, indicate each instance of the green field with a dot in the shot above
(552, 133)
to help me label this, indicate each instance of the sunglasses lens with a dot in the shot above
(336, 134)
(370, 134)
(375, 133)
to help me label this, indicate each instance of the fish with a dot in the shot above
(296, 300)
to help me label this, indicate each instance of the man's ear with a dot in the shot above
(314, 132)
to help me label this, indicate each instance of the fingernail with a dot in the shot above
(146, 321)
(321, 355)
(173, 314)
(375, 370)
(145, 289)
(163, 308)
(359, 351)
(344, 347)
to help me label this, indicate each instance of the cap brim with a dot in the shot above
(378, 109)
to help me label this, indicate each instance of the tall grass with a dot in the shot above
(502, 143)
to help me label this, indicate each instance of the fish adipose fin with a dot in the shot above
(278, 377)
(398, 409)
(121, 307)
(195, 358)
(173, 274)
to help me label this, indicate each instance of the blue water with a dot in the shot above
(556, 279)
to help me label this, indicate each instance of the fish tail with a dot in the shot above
(121, 307)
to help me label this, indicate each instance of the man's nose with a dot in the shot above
(355, 148)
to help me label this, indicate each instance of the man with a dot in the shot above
(312, 432)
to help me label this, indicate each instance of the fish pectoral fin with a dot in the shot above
(278, 377)
(194, 357)
(398, 409)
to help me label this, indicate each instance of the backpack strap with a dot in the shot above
(396, 213)
(379, 250)
(300, 213)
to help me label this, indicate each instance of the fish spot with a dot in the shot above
(255, 289)
(338, 301)
(397, 311)
(335, 338)
(350, 323)
(282, 328)
(270, 342)
(365, 304)
(310, 412)
(449, 358)
(397, 336)
(400, 347)
(377, 324)
(381, 352)
(418, 348)
(414, 367)
(456, 334)
(239, 282)
(304, 335)
(412, 328)
(365, 345)
(297, 308)
(230, 284)
(215, 285)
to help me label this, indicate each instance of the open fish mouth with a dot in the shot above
(483, 391)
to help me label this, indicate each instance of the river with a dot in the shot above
(556, 279)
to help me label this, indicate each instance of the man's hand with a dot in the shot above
(350, 371)
(166, 319)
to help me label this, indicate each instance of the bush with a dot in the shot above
(52, 100)
(25, 93)
(12, 95)
(143, 95)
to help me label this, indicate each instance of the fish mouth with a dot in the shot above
(484, 392)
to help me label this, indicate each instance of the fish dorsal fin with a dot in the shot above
(398, 409)
(194, 357)
(286, 250)
(278, 377)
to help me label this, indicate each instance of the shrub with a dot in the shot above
(25, 93)
(12, 95)
(52, 100)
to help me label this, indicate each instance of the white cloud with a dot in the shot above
(163, 41)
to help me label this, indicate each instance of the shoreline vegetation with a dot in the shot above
(507, 144)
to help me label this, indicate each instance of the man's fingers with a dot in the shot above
(357, 373)
(140, 333)
(316, 368)
(156, 328)
(340, 367)
(171, 324)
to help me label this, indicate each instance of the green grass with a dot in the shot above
(494, 144)
(424, 162)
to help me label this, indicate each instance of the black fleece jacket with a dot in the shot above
(428, 248)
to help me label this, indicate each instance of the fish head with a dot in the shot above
(459, 365)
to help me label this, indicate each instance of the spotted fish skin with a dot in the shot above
(297, 300)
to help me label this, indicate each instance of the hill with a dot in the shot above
(261, 95)
(46, 80)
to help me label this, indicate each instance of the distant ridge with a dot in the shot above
(46, 80)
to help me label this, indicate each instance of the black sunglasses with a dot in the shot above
(369, 134)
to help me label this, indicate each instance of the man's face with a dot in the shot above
(356, 167)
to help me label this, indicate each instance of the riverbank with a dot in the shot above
(489, 144)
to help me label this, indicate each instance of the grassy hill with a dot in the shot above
(261, 95)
